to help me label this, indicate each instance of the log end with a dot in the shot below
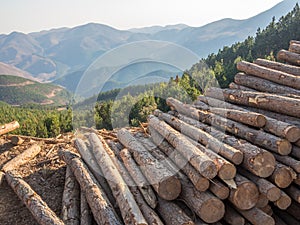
(170, 188)
(245, 196)
(284, 177)
(284, 147)
(202, 184)
(283, 202)
(263, 164)
(273, 194)
(292, 133)
(261, 120)
(208, 169)
(212, 210)
(237, 158)
(227, 172)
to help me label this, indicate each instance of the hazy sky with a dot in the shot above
(35, 15)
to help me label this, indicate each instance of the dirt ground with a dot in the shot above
(45, 174)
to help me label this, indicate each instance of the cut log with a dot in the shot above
(258, 161)
(90, 161)
(232, 217)
(70, 201)
(297, 180)
(86, 216)
(268, 210)
(239, 87)
(22, 158)
(270, 102)
(282, 176)
(201, 162)
(203, 137)
(283, 202)
(201, 183)
(209, 208)
(278, 124)
(294, 42)
(285, 216)
(38, 208)
(173, 214)
(2, 175)
(294, 192)
(16, 140)
(130, 211)
(219, 189)
(289, 161)
(289, 57)
(263, 85)
(269, 74)
(295, 70)
(138, 178)
(294, 47)
(278, 220)
(294, 210)
(262, 201)
(102, 209)
(265, 187)
(254, 136)
(257, 217)
(245, 196)
(162, 180)
(5, 128)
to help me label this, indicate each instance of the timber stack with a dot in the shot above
(231, 157)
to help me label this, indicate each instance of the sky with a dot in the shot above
(36, 15)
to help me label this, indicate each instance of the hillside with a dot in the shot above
(19, 91)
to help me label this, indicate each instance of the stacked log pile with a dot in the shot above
(232, 157)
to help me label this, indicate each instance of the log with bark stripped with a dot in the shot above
(22, 158)
(295, 70)
(71, 200)
(203, 137)
(283, 175)
(162, 180)
(173, 214)
(269, 74)
(130, 211)
(201, 162)
(258, 161)
(5, 128)
(38, 208)
(289, 57)
(201, 183)
(278, 124)
(102, 209)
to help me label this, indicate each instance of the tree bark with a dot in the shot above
(278, 220)
(22, 158)
(5, 128)
(16, 140)
(90, 161)
(295, 70)
(201, 183)
(285, 216)
(258, 161)
(269, 74)
(2, 175)
(201, 162)
(294, 210)
(232, 217)
(86, 216)
(282, 176)
(130, 211)
(209, 208)
(70, 201)
(257, 216)
(233, 85)
(138, 177)
(254, 136)
(265, 187)
(278, 124)
(294, 192)
(203, 137)
(102, 209)
(262, 201)
(245, 196)
(283, 202)
(173, 214)
(219, 189)
(162, 180)
(263, 85)
(289, 161)
(289, 57)
(38, 208)
(294, 47)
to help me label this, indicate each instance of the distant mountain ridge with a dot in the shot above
(58, 54)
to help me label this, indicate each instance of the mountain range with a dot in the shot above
(63, 55)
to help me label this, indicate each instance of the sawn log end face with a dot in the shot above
(170, 188)
(245, 196)
(264, 164)
(212, 210)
